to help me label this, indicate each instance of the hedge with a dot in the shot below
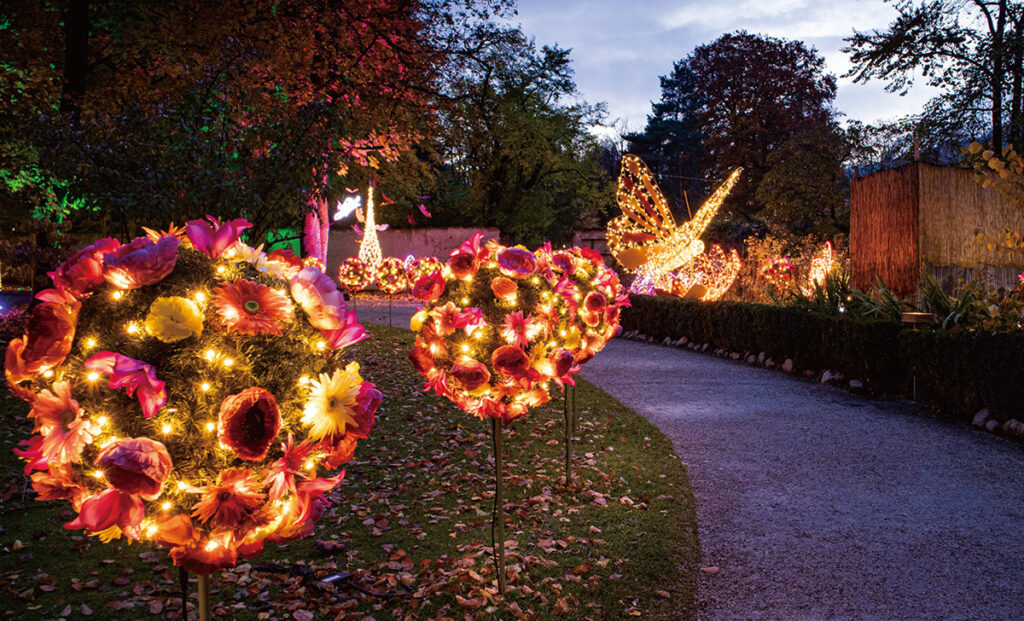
(958, 372)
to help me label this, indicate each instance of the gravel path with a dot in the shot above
(815, 504)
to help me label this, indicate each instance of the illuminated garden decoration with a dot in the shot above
(646, 239)
(499, 325)
(416, 268)
(391, 275)
(354, 275)
(821, 266)
(778, 274)
(369, 250)
(189, 391)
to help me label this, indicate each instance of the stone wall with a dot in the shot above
(401, 243)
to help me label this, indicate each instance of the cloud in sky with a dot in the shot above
(620, 47)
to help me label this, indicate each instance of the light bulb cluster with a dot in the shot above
(354, 275)
(369, 249)
(500, 324)
(821, 266)
(182, 410)
(391, 275)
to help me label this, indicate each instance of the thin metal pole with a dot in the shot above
(183, 582)
(568, 435)
(204, 598)
(499, 505)
(573, 391)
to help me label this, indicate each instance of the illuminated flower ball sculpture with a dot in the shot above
(391, 276)
(500, 324)
(189, 391)
(418, 267)
(354, 275)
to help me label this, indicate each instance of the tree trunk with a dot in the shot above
(1017, 85)
(998, 73)
(76, 57)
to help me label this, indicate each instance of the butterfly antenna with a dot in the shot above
(686, 199)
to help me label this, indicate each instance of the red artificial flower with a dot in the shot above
(429, 287)
(214, 240)
(231, 503)
(134, 376)
(510, 360)
(593, 256)
(281, 474)
(83, 271)
(47, 340)
(319, 297)
(564, 261)
(285, 262)
(205, 556)
(503, 288)
(141, 262)
(248, 422)
(464, 265)
(517, 262)
(421, 359)
(470, 374)
(595, 302)
(137, 466)
(110, 508)
(561, 361)
(59, 419)
(59, 483)
(247, 307)
(339, 450)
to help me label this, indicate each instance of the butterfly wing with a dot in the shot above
(645, 221)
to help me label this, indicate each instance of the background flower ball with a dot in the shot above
(391, 275)
(174, 395)
(354, 275)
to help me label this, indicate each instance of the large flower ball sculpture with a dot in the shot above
(500, 325)
(190, 391)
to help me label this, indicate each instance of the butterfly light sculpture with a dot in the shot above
(667, 256)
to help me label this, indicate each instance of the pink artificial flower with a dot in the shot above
(248, 307)
(595, 302)
(445, 318)
(214, 240)
(59, 483)
(367, 402)
(141, 262)
(428, 287)
(308, 492)
(206, 556)
(59, 419)
(248, 422)
(517, 262)
(325, 307)
(421, 359)
(564, 261)
(469, 320)
(137, 466)
(132, 375)
(282, 472)
(110, 508)
(470, 374)
(83, 271)
(519, 331)
(32, 454)
(561, 361)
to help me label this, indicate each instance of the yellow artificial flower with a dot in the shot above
(332, 402)
(418, 319)
(173, 319)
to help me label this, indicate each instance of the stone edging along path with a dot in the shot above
(816, 504)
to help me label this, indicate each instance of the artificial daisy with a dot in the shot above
(251, 308)
(334, 404)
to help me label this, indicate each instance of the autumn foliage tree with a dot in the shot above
(231, 108)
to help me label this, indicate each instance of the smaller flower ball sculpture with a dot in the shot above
(416, 268)
(354, 275)
(391, 275)
(778, 272)
(499, 324)
(189, 391)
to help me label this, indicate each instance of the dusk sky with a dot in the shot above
(620, 47)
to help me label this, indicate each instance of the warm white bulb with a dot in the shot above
(117, 295)
(210, 355)
(200, 296)
(210, 426)
(205, 386)
(48, 373)
(165, 428)
(165, 506)
(92, 376)
(221, 269)
(228, 362)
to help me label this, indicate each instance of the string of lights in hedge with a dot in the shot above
(190, 391)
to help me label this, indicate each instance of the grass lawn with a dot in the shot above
(410, 523)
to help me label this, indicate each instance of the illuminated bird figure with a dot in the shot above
(646, 238)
